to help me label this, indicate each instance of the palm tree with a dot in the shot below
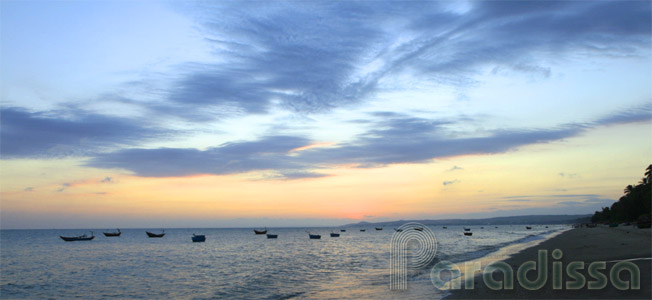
(628, 190)
(648, 173)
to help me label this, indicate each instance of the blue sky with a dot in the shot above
(295, 90)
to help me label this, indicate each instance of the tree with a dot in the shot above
(635, 203)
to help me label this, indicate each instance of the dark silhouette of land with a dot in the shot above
(513, 220)
(634, 206)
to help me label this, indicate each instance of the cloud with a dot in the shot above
(63, 187)
(314, 56)
(294, 175)
(392, 140)
(642, 113)
(106, 179)
(445, 183)
(454, 168)
(592, 202)
(519, 197)
(417, 140)
(52, 134)
(29, 189)
(268, 153)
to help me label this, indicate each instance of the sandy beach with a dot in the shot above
(587, 245)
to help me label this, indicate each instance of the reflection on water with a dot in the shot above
(232, 263)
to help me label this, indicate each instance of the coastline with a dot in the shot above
(588, 245)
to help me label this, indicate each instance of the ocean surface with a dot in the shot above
(231, 264)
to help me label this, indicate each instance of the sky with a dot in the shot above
(151, 114)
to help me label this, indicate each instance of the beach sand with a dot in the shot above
(582, 244)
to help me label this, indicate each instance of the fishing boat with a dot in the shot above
(342, 230)
(82, 237)
(272, 236)
(467, 229)
(528, 227)
(260, 231)
(418, 228)
(363, 230)
(314, 236)
(379, 228)
(198, 238)
(335, 234)
(155, 235)
(468, 233)
(112, 233)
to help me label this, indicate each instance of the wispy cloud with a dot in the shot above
(269, 153)
(316, 56)
(395, 140)
(642, 113)
(53, 134)
(63, 187)
(312, 57)
(445, 183)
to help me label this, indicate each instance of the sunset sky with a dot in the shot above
(305, 113)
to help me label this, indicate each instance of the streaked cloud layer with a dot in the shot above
(308, 91)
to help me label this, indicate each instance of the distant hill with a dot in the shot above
(524, 220)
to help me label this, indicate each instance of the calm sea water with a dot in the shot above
(231, 264)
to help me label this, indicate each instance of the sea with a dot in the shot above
(233, 263)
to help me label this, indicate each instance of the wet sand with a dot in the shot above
(583, 244)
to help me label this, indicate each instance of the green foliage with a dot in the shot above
(634, 204)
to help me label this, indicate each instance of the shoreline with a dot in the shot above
(588, 245)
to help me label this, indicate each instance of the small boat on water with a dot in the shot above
(445, 227)
(398, 229)
(481, 227)
(335, 234)
(528, 227)
(342, 230)
(272, 236)
(546, 226)
(468, 233)
(379, 228)
(198, 238)
(467, 229)
(314, 236)
(260, 231)
(496, 227)
(82, 237)
(418, 228)
(155, 235)
(363, 230)
(112, 233)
